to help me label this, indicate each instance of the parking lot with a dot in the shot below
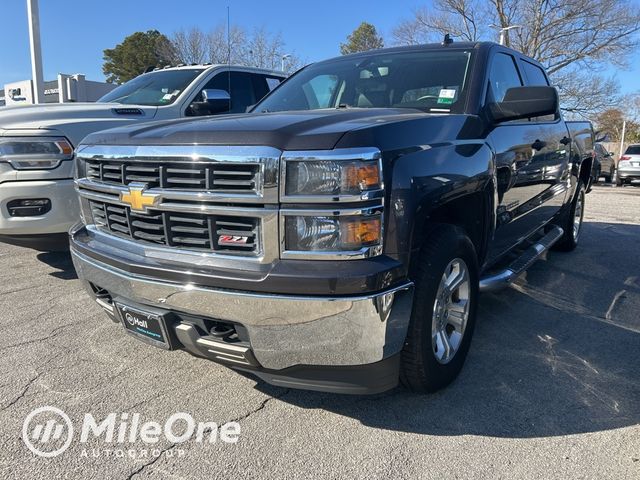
(551, 388)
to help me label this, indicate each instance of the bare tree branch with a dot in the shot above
(571, 38)
(258, 49)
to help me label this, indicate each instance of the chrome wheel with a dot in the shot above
(450, 311)
(578, 215)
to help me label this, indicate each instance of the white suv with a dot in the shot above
(38, 203)
(629, 165)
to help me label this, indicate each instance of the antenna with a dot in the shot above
(229, 54)
(447, 40)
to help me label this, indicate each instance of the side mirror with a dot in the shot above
(525, 102)
(610, 154)
(217, 101)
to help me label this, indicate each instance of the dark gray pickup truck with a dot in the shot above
(337, 237)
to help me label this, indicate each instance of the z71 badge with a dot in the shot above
(232, 240)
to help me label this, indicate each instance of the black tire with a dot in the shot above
(619, 182)
(609, 178)
(569, 239)
(420, 370)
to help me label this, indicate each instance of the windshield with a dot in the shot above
(153, 88)
(430, 80)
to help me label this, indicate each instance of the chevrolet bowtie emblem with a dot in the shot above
(137, 199)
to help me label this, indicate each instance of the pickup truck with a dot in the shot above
(336, 238)
(38, 203)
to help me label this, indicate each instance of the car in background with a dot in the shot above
(604, 165)
(38, 203)
(629, 165)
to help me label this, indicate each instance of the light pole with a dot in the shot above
(36, 51)
(624, 131)
(284, 58)
(506, 29)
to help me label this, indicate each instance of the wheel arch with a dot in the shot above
(473, 213)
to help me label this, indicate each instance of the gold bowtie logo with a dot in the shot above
(137, 199)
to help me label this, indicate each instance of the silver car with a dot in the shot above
(629, 165)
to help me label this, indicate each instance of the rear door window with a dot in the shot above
(535, 75)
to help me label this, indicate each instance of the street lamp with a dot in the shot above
(284, 58)
(503, 30)
(36, 51)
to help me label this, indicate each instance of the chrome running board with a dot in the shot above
(504, 278)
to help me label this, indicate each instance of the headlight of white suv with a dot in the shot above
(34, 153)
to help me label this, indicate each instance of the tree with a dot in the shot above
(610, 121)
(363, 38)
(259, 48)
(190, 46)
(573, 39)
(135, 54)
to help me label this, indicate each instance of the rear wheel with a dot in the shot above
(609, 178)
(444, 311)
(571, 222)
(619, 182)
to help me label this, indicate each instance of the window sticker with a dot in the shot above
(446, 96)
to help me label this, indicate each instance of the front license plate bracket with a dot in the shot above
(146, 324)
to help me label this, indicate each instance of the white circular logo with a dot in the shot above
(44, 435)
(130, 319)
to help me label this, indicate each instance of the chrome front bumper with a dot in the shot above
(284, 331)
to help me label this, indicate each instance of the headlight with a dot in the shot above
(34, 153)
(345, 234)
(327, 176)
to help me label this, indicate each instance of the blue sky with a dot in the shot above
(75, 32)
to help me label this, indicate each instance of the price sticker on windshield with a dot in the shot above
(446, 96)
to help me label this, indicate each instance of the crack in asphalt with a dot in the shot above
(260, 407)
(21, 394)
(52, 334)
(21, 289)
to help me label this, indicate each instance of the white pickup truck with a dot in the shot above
(38, 203)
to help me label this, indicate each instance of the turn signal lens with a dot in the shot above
(64, 147)
(358, 233)
(361, 177)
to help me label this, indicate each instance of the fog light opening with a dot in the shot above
(29, 207)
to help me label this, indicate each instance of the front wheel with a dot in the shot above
(444, 311)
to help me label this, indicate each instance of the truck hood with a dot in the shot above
(74, 120)
(303, 130)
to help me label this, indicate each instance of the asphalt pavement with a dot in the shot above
(551, 387)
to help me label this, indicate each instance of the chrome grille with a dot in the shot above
(220, 177)
(190, 231)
